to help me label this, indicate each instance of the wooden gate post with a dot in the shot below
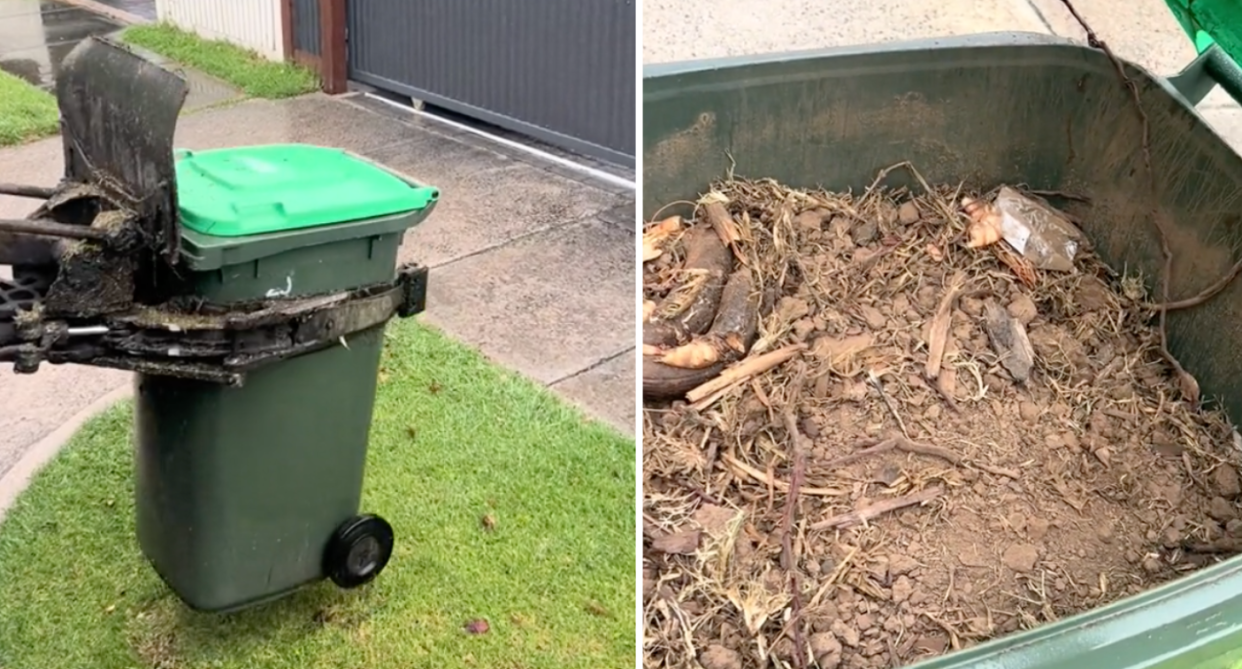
(286, 30)
(333, 54)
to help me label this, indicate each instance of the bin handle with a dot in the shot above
(1212, 68)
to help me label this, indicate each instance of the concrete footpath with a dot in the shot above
(532, 262)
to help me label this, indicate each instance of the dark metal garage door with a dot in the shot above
(562, 71)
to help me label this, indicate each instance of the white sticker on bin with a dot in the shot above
(282, 292)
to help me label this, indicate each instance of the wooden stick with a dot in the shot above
(45, 228)
(750, 472)
(1222, 546)
(744, 370)
(1203, 295)
(875, 382)
(797, 455)
(33, 192)
(722, 222)
(789, 561)
(948, 399)
(866, 513)
(938, 331)
(911, 446)
(711, 399)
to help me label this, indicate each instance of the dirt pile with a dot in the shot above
(866, 443)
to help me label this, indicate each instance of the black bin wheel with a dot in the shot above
(358, 551)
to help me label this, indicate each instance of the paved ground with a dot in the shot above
(36, 35)
(142, 8)
(1142, 31)
(531, 263)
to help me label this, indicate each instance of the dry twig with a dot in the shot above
(1189, 386)
(1202, 296)
(866, 513)
(938, 330)
(875, 383)
(797, 453)
(772, 482)
(910, 446)
(740, 373)
(1221, 546)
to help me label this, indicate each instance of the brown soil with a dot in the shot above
(1091, 481)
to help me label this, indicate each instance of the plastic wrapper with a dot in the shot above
(1040, 233)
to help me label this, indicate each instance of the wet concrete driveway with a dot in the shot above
(141, 8)
(36, 36)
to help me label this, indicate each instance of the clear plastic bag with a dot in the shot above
(1040, 233)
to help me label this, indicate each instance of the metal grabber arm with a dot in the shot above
(95, 267)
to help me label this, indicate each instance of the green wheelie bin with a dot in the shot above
(1006, 109)
(243, 494)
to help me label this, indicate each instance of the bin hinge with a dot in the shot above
(413, 282)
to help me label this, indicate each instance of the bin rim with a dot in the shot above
(270, 183)
(1169, 620)
(205, 252)
(983, 40)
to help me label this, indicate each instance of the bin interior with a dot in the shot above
(990, 110)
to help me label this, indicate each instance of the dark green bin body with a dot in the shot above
(994, 109)
(238, 490)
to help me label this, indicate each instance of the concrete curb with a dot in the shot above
(15, 481)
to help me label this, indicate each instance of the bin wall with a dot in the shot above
(311, 270)
(988, 110)
(239, 489)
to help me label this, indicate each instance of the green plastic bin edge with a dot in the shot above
(1192, 623)
(1212, 26)
(208, 181)
(1209, 22)
(204, 253)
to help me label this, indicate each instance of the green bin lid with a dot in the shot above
(258, 190)
(1209, 22)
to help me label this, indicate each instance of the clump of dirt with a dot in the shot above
(933, 510)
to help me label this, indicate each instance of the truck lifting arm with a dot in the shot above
(95, 268)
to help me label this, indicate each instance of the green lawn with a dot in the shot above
(454, 439)
(26, 113)
(251, 73)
